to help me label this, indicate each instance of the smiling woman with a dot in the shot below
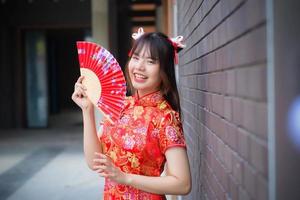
(144, 72)
(132, 152)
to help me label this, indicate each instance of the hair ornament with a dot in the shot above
(177, 42)
(138, 34)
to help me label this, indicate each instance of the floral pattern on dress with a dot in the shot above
(138, 140)
(171, 134)
(128, 141)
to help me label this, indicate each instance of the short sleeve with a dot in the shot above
(171, 133)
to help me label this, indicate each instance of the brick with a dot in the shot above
(255, 118)
(208, 100)
(216, 82)
(201, 101)
(227, 158)
(222, 129)
(261, 123)
(216, 187)
(237, 105)
(243, 144)
(243, 195)
(220, 150)
(228, 108)
(231, 135)
(250, 180)
(259, 155)
(211, 62)
(237, 168)
(262, 188)
(214, 140)
(222, 177)
(233, 188)
(209, 192)
(241, 82)
(216, 125)
(218, 104)
(251, 82)
(201, 115)
(249, 116)
(257, 83)
(189, 106)
(195, 96)
(202, 83)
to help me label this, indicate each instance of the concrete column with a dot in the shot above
(100, 22)
(100, 33)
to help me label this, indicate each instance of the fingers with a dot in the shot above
(79, 88)
(80, 79)
(106, 168)
(104, 175)
(78, 94)
(103, 164)
(101, 159)
(79, 84)
(100, 155)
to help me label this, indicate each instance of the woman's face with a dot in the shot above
(144, 72)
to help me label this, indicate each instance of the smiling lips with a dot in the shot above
(139, 78)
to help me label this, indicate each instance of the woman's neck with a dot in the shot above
(141, 94)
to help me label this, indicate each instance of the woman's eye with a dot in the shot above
(135, 58)
(151, 62)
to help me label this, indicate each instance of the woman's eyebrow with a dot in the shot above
(146, 57)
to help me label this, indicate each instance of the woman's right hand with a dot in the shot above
(79, 96)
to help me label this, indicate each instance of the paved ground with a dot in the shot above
(47, 163)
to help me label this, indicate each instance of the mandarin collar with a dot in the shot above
(151, 99)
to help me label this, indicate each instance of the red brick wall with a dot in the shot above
(222, 81)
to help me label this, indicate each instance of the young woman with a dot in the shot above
(131, 154)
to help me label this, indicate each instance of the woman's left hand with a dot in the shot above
(105, 167)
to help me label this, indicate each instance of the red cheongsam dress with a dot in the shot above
(137, 143)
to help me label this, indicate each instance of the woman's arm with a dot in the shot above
(91, 143)
(176, 182)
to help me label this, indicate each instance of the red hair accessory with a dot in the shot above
(177, 43)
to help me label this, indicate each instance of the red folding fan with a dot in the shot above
(104, 79)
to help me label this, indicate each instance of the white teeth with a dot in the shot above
(140, 76)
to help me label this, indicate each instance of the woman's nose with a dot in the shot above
(140, 65)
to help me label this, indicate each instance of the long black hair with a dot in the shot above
(161, 49)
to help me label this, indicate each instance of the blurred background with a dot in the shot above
(238, 80)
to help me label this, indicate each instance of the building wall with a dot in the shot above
(16, 18)
(224, 97)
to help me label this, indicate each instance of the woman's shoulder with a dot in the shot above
(166, 112)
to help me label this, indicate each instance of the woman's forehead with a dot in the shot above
(143, 50)
(146, 51)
